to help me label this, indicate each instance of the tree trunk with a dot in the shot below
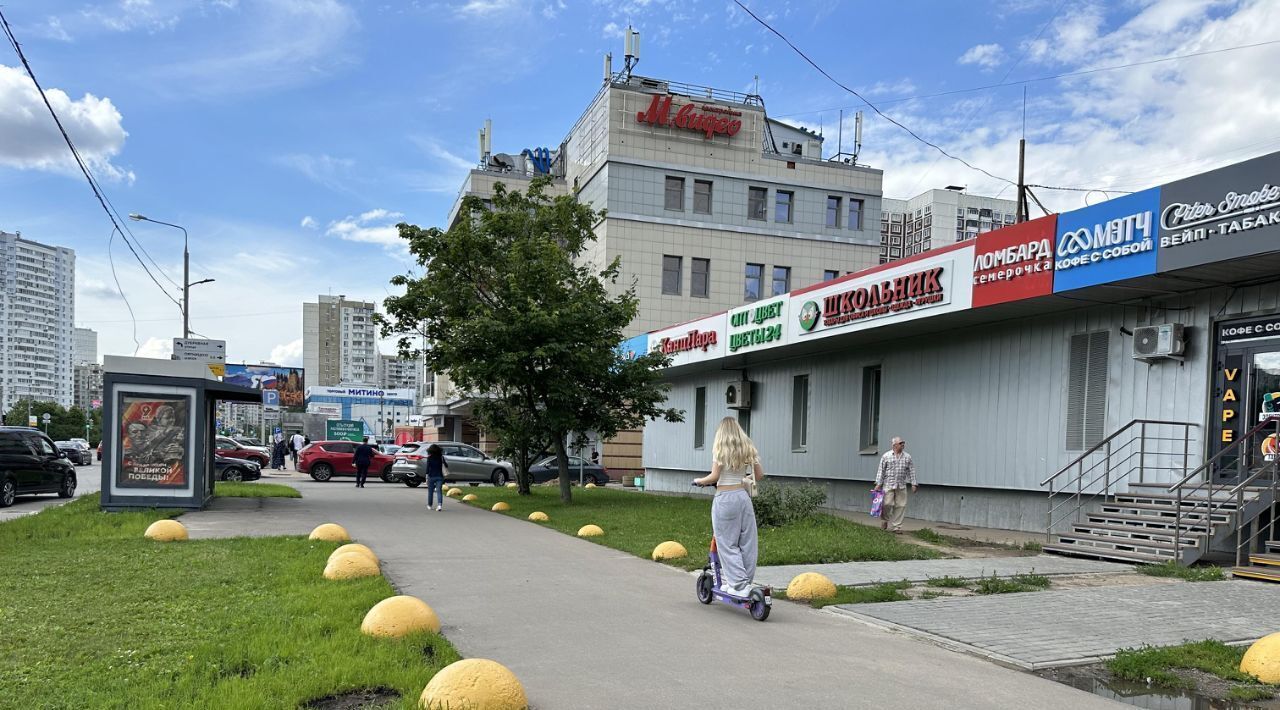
(523, 479)
(562, 460)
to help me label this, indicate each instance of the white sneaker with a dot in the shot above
(439, 507)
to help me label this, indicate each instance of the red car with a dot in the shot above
(326, 459)
(232, 449)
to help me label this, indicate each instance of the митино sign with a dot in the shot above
(1110, 241)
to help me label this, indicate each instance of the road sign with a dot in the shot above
(32, 420)
(46, 417)
(199, 350)
(344, 430)
(219, 369)
(271, 399)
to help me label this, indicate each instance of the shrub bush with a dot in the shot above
(777, 504)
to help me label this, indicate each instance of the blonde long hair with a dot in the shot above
(733, 448)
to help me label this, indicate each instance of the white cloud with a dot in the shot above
(30, 140)
(901, 87)
(159, 348)
(376, 226)
(323, 169)
(1073, 37)
(287, 354)
(486, 8)
(308, 222)
(985, 55)
(612, 31)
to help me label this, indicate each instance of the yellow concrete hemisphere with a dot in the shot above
(330, 532)
(538, 516)
(469, 497)
(590, 531)
(454, 492)
(474, 683)
(355, 547)
(811, 585)
(512, 485)
(500, 506)
(669, 550)
(397, 617)
(1262, 660)
(590, 485)
(166, 531)
(351, 566)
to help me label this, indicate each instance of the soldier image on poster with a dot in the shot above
(153, 440)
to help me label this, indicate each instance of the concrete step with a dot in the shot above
(1149, 522)
(1273, 546)
(1138, 533)
(1220, 500)
(1266, 574)
(1262, 560)
(1120, 544)
(1169, 512)
(1164, 488)
(1095, 553)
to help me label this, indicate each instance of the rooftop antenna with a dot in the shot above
(632, 57)
(857, 136)
(757, 89)
(608, 67)
(486, 140)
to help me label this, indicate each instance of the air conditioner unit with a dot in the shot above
(738, 395)
(1156, 342)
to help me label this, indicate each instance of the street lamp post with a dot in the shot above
(186, 272)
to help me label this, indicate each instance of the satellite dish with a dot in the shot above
(503, 161)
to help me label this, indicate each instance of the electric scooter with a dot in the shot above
(759, 601)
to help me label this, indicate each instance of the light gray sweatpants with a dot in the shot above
(733, 522)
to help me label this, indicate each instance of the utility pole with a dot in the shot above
(1022, 183)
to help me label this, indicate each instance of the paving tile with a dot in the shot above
(866, 573)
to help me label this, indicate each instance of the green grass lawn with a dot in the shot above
(638, 522)
(94, 615)
(1209, 656)
(238, 489)
(885, 592)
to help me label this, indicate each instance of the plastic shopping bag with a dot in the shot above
(877, 503)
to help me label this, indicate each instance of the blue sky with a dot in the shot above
(289, 136)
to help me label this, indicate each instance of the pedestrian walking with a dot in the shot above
(595, 457)
(296, 444)
(278, 452)
(896, 471)
(362, 458)
(436, 470)
(733, 519)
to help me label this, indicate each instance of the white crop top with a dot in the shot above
(733, 478)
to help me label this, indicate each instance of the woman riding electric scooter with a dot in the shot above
(733, 519)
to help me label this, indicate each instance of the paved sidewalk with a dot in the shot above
(864, 573)
(584, 626)
(1074, 626)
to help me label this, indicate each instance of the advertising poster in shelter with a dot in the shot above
(154, 440)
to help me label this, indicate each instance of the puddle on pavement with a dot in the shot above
(1139, 695)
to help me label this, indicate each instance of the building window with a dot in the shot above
(755, 279)
(782, 206)
(671, 268)
(700, 418)
(855, 214)
(799, 412)
(830, 274)
(702, 196)
(781, 280)
(1087, 390)
(870, 438)
(674, 193)
(833, 212)
(700, 273)
(756, 199)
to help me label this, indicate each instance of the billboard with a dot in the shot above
(1110, 241)
(154, 440)
(1223, 214)
(344, 430)
(1014, 263)
(287, 381)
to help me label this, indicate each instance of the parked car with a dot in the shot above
(229, 469)
(323, 460)
(389, 449)
(76, 452)
(548, 469)
(243, 441)
(30, 463)
(466, 464)
(232, 449)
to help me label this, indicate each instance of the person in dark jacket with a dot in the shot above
(436, 469)
(363, 458)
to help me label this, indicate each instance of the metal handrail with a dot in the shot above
(1212, 459)
(1101, 444)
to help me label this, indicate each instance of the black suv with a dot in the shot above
(30, 463)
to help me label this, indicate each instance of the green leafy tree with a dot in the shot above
(516, 313)
(63, 423)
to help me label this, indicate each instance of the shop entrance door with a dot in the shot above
(1262, 401)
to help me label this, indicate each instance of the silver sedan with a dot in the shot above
(465, 463)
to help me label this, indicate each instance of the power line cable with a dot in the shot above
(111, 260)
(84, 168)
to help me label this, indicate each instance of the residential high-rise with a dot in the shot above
(37, 319)
(88, 385)
(936, 218)
(339, 342)
(86, 345)
(396, 373)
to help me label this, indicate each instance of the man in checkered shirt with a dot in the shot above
(895, 473)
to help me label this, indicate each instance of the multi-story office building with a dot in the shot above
(396, 373)
(86, 345)
(936, 218)
(710, 203)
(88, 385)
(37, 319)
(339, 342)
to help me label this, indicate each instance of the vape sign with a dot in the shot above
(1014, 263)
(1224, 214)
(1111, 241)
